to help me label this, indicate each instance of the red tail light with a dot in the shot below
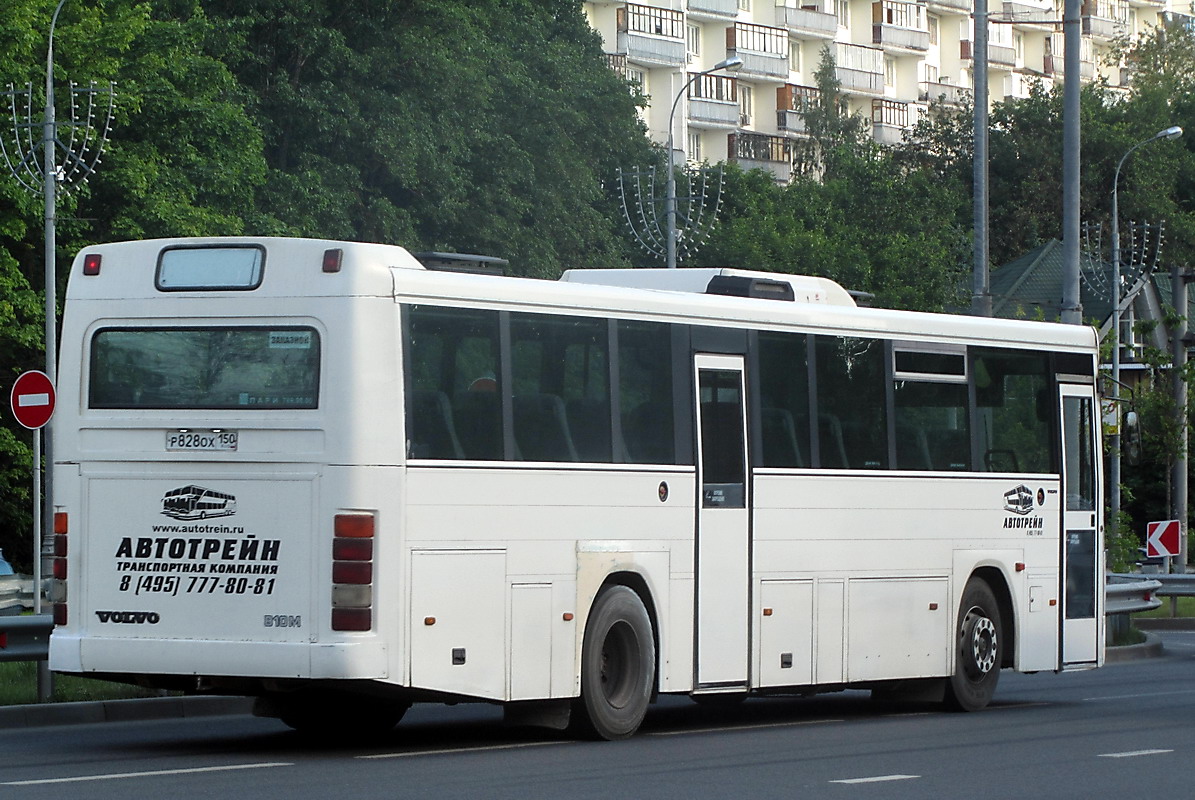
(57, 589)
(91, 264)
(352, 572)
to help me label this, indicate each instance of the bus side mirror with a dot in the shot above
(1132, 437)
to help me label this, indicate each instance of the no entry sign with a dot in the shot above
(32, 399)
(1162, 538)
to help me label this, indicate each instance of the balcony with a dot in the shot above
(999, 55)
(899, 26)
(714, 102)
(859, 69)
(1176, 18)
(764, 50)
(889, 120)
(714, 9)
(1052, 67)
(943, 93)
(649, 35)
(807, 19)
(761, 151)
(948, 7)
(1105, 19)
(1041, 15)
(792, 101)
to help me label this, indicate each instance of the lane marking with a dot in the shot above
(150, 774)
(1135, 753)
(760, 726)
(878, 779)
(448, 750)
(1134, 696)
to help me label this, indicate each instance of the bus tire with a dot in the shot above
(618, 665)
(977, 654)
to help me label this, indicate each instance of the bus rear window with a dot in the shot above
(193, 368)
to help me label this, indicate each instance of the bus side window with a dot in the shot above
(784, 389)
(850, 384)
(645, 392)
(1014, 432)
(453, 406)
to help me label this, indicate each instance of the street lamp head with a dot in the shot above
(1173, 132)
(734, 62)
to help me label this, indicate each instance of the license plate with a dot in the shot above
(203, 441)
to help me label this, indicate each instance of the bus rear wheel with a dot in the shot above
(618, 662)
(977, 655)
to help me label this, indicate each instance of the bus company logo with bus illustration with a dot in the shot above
(197, 502)
(1019, 502)
(195, 557)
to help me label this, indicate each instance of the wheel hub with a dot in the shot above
(981, 645)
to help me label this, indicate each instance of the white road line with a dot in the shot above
(760, 726)
(878, 779)
(150, 774)
(454, 750)
(1135, 753)
(1134, 696)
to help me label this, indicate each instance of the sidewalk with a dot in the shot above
(36, 715)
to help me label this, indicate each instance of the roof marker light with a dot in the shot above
(332, 259)
(91, 264)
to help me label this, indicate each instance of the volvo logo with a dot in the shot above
(129, 617)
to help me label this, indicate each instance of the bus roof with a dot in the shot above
(296, 268)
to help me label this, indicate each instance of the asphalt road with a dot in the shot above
(1128, 729)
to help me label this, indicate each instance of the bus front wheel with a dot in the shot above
(618, 660)
(977, 654)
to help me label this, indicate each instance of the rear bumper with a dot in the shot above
(365, 660)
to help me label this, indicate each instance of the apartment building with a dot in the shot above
(893, 58)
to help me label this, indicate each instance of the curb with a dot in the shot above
(149, 708)
(1165, 623)
(1150, 648)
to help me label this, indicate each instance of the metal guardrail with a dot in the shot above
(25, 638)
(1128, 594)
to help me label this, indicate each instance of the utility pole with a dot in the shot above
(1072, 307)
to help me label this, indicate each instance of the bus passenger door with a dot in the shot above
(1082, 556)
(723, 549)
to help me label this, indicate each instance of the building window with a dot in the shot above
(694, 153)
(931, 73)
(794, 56)
(693, 42)
(843, 9)
(889, 71)
(637, 77)
(932, 23)
(744, 5)
(746, 104)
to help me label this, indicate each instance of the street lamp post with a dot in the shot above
(734, 62)
(1172, 132)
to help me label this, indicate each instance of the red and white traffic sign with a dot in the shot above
(32, 399)
(1162, 538)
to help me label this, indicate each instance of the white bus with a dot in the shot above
(567, 496)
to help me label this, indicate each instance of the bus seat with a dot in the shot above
(478, 420)
(648, 434)
(433, 434)
(541, 428)
(781, 448)
(589, 423)
(912, 449)
(833, 449)
(950, 449)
